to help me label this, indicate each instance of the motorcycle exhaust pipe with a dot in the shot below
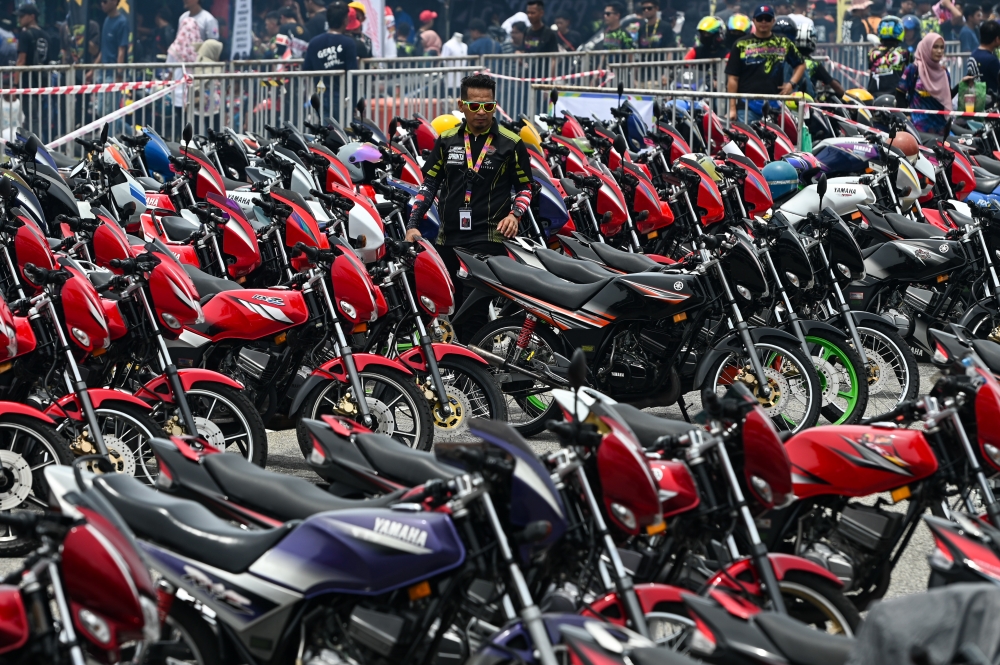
(493, 359)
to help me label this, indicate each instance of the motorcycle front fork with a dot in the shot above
(425, 345)
(343, 349)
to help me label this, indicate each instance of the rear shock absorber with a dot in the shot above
(526, 332)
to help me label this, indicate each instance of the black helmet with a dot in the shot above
(785, 27)
(885, 101)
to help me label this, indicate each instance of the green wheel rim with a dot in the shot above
(536, 401)
(827, 352)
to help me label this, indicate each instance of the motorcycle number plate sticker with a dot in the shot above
(465, 219)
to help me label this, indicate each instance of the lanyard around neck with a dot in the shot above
(468, 163)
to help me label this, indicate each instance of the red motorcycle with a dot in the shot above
(84, 594)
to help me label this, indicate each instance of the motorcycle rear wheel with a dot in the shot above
(893, 372)
(796, 395)
(396, 403)
(222, 411)
(185, 638)
(529, 403)
(27, 446)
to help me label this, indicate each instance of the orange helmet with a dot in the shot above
(907, 144)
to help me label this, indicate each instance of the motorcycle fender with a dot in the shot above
(810, 327)
(651, 598)
(987, 307)
(24, 410)
(783, 564)
(159, 388)
(335, 370)
(732, 343)
(68, 406)
(860, 318)
(414, 358)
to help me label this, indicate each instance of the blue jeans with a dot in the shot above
(746, 115)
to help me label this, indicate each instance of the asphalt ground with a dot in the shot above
(909, 576)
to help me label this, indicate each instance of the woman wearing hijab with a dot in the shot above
(208, 95)
(926, 84)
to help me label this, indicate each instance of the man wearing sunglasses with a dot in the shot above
(757, 66)
(655, 31)
(481, 175)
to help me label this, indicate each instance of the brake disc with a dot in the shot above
(382, 415)
(120, 455)
(211, 433)
(15, 480)
(776, 381)
(830, 379)
(456, 423)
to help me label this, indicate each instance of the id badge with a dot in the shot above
(465, 219)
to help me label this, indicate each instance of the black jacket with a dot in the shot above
(505, 170)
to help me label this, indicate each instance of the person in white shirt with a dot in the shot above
(799, 17)
(208, 25)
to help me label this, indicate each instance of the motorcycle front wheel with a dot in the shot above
(893, 375)
(229, 421)
(27, 446)
(396, 403)
(795, 395)
(842, 376)
(472, 393)
(819, 603)
(186, 638)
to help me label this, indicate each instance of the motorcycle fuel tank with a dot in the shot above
(914, 260)
(844, 195)
(857, 460)
(252, 313)
(364, 551)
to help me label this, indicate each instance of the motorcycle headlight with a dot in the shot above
(993, 453)
(171, 320)
(793, 279)
(81, 336)
(844, 270)
(762, 488)
(96, 627)
(743, 291)
(348, 309)
(429, 304)
(624, 515)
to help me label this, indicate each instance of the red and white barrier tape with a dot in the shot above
(85, 89)
(873, 109)
(116, 114)
(549, 79)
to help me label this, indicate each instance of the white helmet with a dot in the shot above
(804, 37)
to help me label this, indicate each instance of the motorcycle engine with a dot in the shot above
(627, 368)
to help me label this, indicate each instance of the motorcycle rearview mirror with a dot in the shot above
(577, 369)
(31, 148)
(821, 188)
(188, 133)
(314, 101)
(104, 133)
(7, 189)
(360, 107)
(128, 210)
(621, 145)
(553, 97)
(656, 111)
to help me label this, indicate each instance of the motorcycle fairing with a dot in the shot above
(259, 608)
(914, 260)
(251, 314)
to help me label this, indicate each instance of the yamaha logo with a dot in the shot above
(400, 531)
(678, 285)
(943, 248)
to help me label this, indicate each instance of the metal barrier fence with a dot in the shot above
(251, 93)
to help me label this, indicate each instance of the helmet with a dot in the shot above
(360, 160)
(890, 27)
(885, 101)
(857, 96)
(781, 177)
(711, 31)
(785, 27)
(738, 23)
(445, 122)
(912, 22)
(805, 40)
(530, 135)
(907, 144)
(793, 105)
(804, 163)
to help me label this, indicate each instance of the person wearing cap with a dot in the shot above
(316, 21)
(430, 41)
(32, 41)
(756, 66)
(480, 172)
(353, 30)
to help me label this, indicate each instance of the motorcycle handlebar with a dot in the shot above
(141, 263)
(333, 200)
(77, 224)
(89, 145)
(312, 253)
(44, 276)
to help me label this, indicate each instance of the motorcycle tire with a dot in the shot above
(886, 351)
(820, 603)
(843, 378)
(415, 409)
(783, 380)
(232, 421)
(982, 326)
(26, 463)
(529, 407)
(476, 396)
(127, 430)
(185, 638)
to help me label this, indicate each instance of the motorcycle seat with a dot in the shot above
(149, 184)
(401, 463)
(928, 139)
(541, 284)
(208, 286)
(188, 528)
(959, 219)
(989, 352)
(659, 656)
(579, 271)
(278, 495)
(988, 163)
(622, 260)
(986, 182)
(802, 644)
(910, 230)
(233, 184)
(177, 229)
(648, 427)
